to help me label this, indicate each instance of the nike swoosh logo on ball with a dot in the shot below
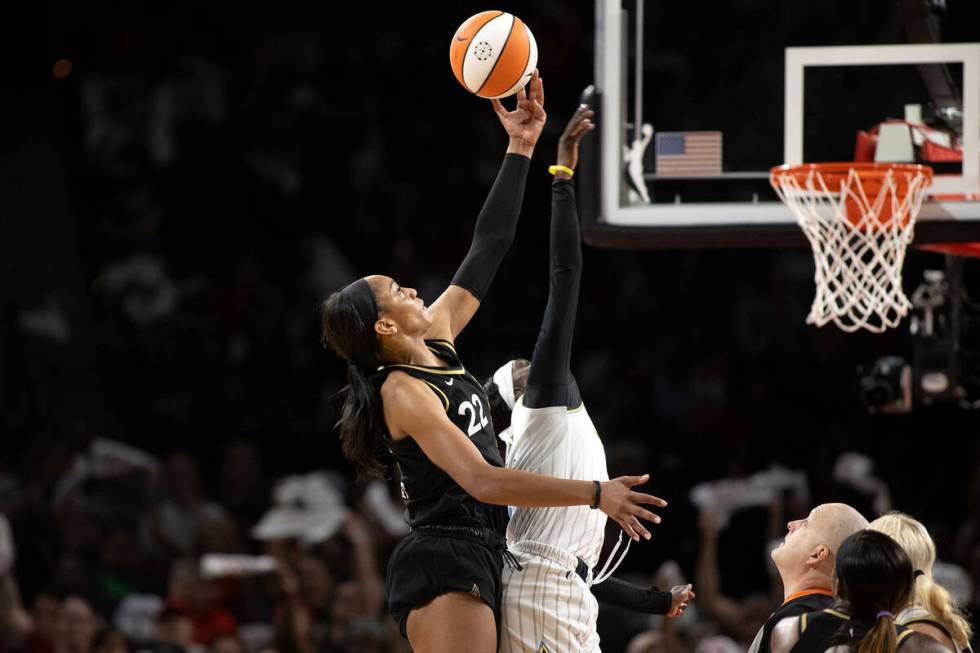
(461, 38)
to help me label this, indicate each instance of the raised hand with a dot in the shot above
(579, 125)
(524, 124)
(288, 579)
(7, 553)
(625, 506)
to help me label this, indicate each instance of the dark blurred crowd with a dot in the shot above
(119, 551)
(219, 173)
(127, 553)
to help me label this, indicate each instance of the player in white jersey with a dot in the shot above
(547, 602)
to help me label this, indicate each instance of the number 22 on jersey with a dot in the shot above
(472, 407)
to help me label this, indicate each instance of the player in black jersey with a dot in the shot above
(931, 609)
(874, 580)
(408, 390)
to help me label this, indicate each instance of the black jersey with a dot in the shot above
(807, 601)
(432, 497)
(820, 631)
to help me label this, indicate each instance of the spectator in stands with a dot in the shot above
(175, 630)
(200, 601)
(77, 626)
(176, 524)
(227, 644)
(740, 619)
(16, 624)
(110, 640)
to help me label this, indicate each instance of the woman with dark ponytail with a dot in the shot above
(874, 579)
(354, 340)
(409, 392)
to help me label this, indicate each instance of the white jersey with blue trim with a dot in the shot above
(563, 443)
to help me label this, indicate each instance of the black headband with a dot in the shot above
(917, 573)
(361, 295)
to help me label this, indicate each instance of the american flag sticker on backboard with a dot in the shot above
(688, 154)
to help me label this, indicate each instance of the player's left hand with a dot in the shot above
(579, 125)
(680, 596)
(524, 124)
(626, 506)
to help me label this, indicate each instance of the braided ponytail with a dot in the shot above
(914, 538)
(941, 606)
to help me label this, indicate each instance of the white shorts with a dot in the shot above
(546, 605)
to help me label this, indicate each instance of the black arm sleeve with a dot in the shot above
(495, 227)
(621, 594)
(550, 381)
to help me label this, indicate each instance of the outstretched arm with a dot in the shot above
(550, 381)
(365, 566)
(648, 600)
(724, 609)
(15, 622)
(497, 222)
(411, 409)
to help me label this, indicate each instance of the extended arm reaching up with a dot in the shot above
(497, 222)
(550, 381)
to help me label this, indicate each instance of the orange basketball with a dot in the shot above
(493, 54)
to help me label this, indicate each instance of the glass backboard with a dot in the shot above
(697, 101)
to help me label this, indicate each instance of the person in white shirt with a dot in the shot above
(547, 602)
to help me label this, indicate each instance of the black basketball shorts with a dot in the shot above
(432, 561)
